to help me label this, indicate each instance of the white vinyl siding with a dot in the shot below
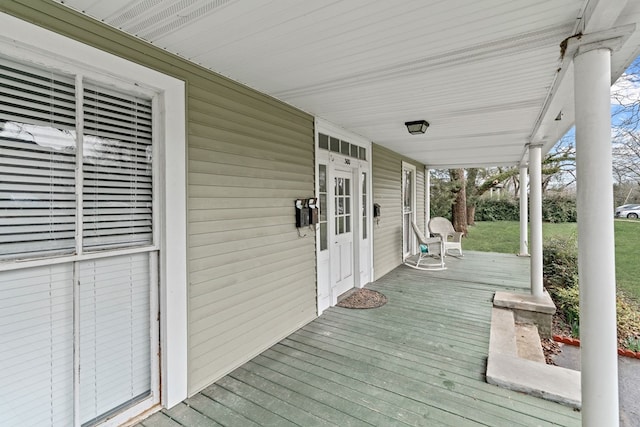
(252, 278)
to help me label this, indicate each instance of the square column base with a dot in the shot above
(529, 309)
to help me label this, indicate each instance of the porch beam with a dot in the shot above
(535, 218)
(524, 211)
(596, 263)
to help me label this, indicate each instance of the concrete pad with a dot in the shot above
(526, 302)
(528, 342)
(502, 337)
(529, 309)
(546, 381)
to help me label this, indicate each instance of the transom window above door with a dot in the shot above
(340, 146)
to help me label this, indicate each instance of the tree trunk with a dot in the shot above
(459, 207)
(471, 214)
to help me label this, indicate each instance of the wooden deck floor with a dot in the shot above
(419, 360)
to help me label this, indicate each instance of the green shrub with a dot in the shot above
(560, 263)
(559, 209)
(560, 273)
(501, 209)
(554, 209)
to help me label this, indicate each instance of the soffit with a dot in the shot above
(479, 72)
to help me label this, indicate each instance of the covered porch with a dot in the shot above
(418, 360)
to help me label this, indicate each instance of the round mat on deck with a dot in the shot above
(363, 298)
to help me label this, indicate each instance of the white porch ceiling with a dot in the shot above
(481, 72)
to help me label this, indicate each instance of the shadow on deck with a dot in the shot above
(419, 360)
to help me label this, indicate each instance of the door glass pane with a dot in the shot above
(334, 144)
(347, 186)
(345, 148)
(407, 236)
(323, 141)
(347, 224)
(323, 236)
(322, 208)
(341, 225)
(363, 186)
(322, 178)
(408, 190)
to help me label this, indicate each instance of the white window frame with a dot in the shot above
(27, 42)
(412, 244)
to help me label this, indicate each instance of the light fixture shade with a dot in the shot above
(417, 127)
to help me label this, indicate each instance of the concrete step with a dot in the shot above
(528, 342)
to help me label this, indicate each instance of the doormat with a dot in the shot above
(363, 298)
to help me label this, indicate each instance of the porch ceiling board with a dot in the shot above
(479, 72)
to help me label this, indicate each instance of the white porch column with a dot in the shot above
(427, 199)
(524, 212)
(592, 80)
(535, 217)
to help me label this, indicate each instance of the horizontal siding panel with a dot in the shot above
(259, 265)
(249, 349)
(221, 225)
(270, 314)
(211, 293)
(255, 122)
(195, 253)
(207, 172)
(196, 216)
(276, 116)
(248, 157)
(230, 284)
(254, 256)
(202, 135)
(241, 307)
(237, 235)
(238, 203)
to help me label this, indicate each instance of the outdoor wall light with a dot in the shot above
(417, 127)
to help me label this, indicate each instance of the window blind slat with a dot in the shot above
(117, 167)
(37, 374)
(37, 161)
(115, 364)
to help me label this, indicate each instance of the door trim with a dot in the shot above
(406, 228)
(357, 167)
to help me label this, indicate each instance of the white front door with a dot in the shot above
(342, 251)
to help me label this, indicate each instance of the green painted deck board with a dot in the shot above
(420, 360)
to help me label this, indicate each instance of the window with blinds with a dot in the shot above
(37, 161)
(39, 142)
(76, 176)
(117, 190)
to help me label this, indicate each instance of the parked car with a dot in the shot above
(628, 211)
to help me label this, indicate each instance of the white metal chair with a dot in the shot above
(451, 239)
(431, 255)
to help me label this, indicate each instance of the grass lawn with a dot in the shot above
(504, 236)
